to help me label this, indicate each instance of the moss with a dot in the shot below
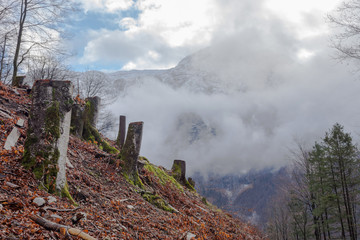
(163, 177)
(134, 180)
(65, 193)
(157, 201)
(52, 120)
(204, 201)
(107, 148)
(176, 171)
(144, 159)
(29, 161)
(189, 186)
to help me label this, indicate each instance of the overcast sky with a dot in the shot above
(116, 35)
(271, 56)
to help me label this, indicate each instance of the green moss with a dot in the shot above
(204, 201)
(134, 180)
(107, 148)
(163, 177)
(189, 186)
(157, 201)
(52, 120)
(29, 161)
(65, 193)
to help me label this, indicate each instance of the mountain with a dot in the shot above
(246, 196)
(107, 205)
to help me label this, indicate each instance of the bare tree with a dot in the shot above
(7, 34)
(37, 28)
(48, 66)
(346, 20)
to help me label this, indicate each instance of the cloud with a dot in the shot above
(278, 88)
(162, 27)
(109, 6)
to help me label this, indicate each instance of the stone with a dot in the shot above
(179, 170)
(131, 150)
(47, 139)
(190, 236)
(51, 199)
(130, 206)
(20, 122)
(12, 139)
(39, 201)
(122, 132)
(69, 164)
(56, 217)
(78, 216)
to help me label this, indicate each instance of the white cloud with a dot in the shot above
(106, 5)
(174, 29)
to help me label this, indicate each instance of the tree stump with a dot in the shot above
(179, 170)
(48, 133)
(122, 132)
(131, 150)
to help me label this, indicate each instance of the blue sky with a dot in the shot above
(111, 35)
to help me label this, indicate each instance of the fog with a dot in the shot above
(276, 88)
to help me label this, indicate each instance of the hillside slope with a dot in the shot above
(110, 207)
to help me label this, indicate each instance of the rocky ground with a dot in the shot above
(105, 205)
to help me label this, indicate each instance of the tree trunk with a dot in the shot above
(23, 13)
(48, 133)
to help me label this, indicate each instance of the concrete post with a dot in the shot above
(131, 150)
(179, 171)
(48, 133)
(122, 132)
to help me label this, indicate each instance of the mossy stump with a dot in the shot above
(122, 132)
(48, 133)
(92, 110)
(131, 150)
(89, 131)
(178, 170)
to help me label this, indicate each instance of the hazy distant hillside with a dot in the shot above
(246, 196)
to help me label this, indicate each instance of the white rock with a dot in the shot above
(12, 139)
(20, 122)
(190, 236)
(51, 199)
(130, 207)
(68, 164)
(39, 201)
(55, 216)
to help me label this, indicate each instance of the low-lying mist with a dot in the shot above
(272, 91)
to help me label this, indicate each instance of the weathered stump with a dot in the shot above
(89, 119)
(92, 110)
(179, 171)
(48, 133)
(122, 132)
(131, 150)
(77, 120)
